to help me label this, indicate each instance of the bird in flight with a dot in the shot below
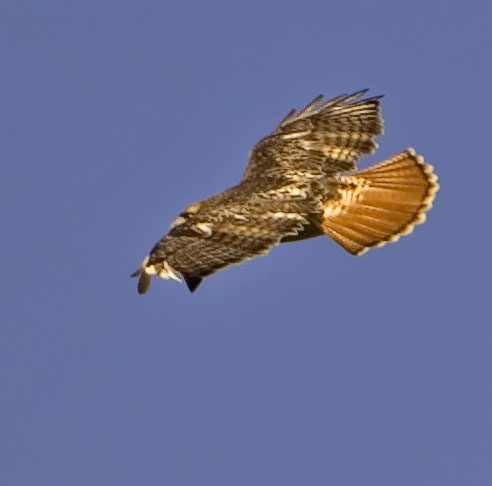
(301, 182)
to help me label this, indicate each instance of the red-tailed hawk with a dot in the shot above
(299, 183)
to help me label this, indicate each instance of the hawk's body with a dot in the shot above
(298, 185)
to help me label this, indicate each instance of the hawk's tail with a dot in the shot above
(379, 204)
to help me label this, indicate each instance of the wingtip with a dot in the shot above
(364, 91)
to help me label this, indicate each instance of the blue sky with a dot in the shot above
(306, 367)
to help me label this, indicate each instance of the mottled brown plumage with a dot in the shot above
(299, 183)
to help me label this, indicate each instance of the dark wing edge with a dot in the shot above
(192, 282)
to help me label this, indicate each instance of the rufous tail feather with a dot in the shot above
(379, 204)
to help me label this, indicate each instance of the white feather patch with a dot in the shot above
(177, 222)
(167, 272)
(292, 135)
(150, 270)
(205, 228)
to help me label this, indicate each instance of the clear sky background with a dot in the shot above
(309, 367)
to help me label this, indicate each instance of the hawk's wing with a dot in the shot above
(324, 138)
(213, 238)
